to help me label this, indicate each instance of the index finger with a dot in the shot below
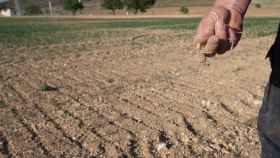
(205, 30)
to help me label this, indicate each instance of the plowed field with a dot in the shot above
(129, 92)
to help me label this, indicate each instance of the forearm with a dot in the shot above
(239, 6)
(238, 9)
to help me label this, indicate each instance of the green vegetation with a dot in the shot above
(33, 9)
(258, 5)
(139, 5)
(2, 104)
(66, 114)
(113, 5)
(135, 5)
(184, 10)
(45, 88)
(73, 5)
(260, 27)
(29, 32)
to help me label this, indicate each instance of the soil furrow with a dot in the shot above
(4, 146)
(40, 125)
(35, 136)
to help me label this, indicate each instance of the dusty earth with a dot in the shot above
(145, 95)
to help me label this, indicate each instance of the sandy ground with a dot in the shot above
(132, 97)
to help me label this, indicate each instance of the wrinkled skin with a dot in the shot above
(221, 29)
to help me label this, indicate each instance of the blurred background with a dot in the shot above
(122, 7)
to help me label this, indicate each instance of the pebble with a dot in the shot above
(161, 146)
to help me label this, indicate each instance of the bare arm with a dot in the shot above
(238, 5)
(221, 29)
(238, 9)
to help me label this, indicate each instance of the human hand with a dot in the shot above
(219, 31)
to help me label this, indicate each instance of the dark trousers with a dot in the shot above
(274, 56)
(269, 116)
(269, 122)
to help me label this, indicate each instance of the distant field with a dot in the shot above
(41, 31)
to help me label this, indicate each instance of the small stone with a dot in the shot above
(161, 146)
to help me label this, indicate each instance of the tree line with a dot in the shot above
(134, 5)
(74, 6)
(113, 5)
(36, 7)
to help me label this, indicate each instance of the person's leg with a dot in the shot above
(269, 123)
(269, 116)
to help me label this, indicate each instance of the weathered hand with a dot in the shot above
(219, 31)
